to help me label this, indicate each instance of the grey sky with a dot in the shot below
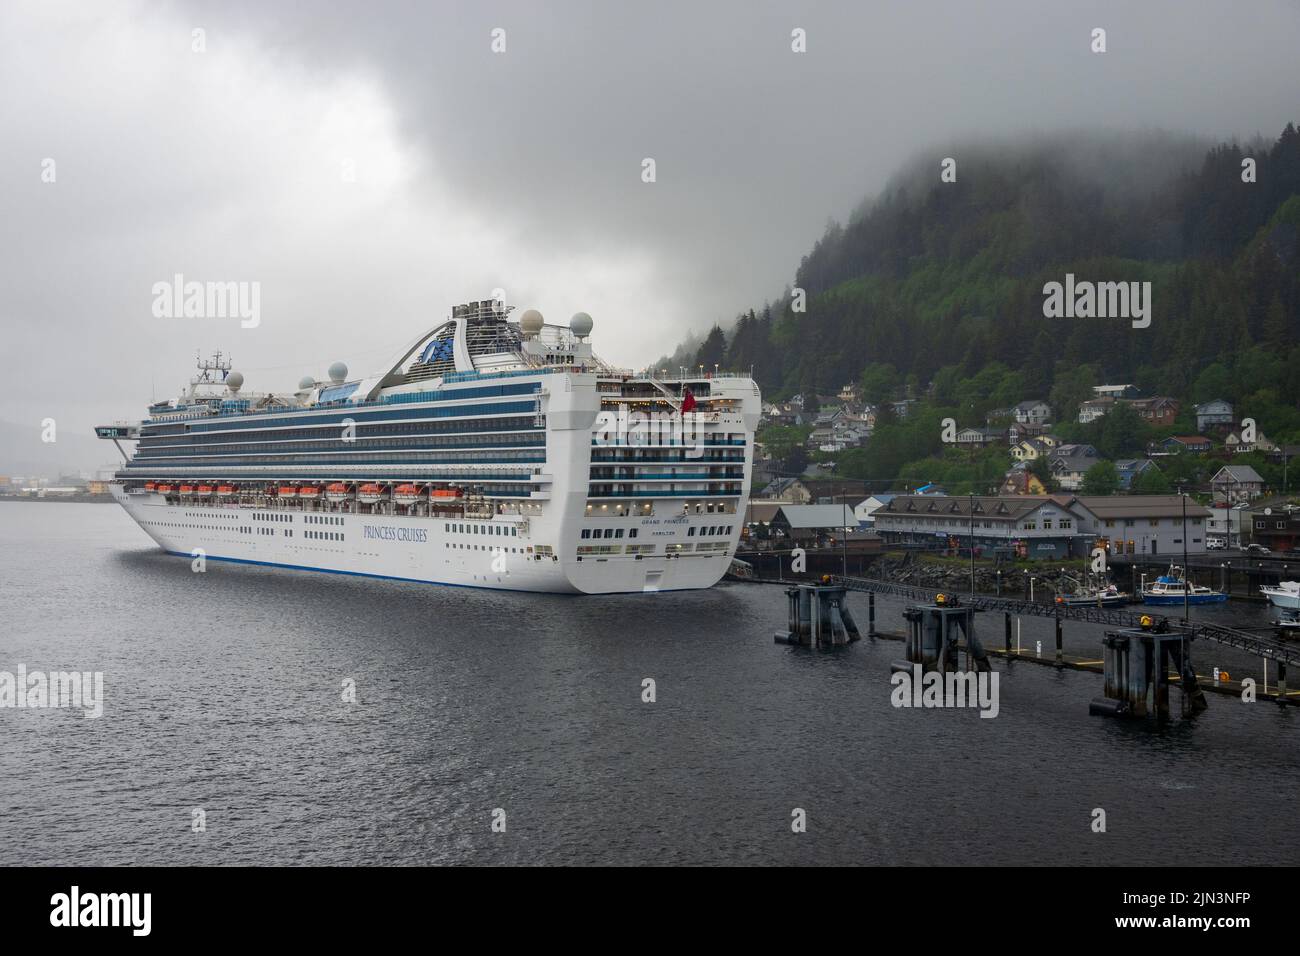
(522, 169)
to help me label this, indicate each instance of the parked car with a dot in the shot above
(1256, 549)
(1216, 544)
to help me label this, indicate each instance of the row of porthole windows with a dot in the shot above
(710, 531)
(322, 519)
(608, 532)
(271, 516)
(482, 547)
(497, 529)
(325, 535)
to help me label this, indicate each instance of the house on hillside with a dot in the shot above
(1021, 481)
(1032, 449)
(1130, 468)
(979, 436)
(1094, 408)
(1032, 412)
(792, 490)
(1068, 470)
(1238, 445)
(1213, 415)
(1160, 411)
(1019, 431)
(1236, 483)
(1177, 444)
(1113, 391)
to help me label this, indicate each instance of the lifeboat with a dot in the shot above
(150, 486)
(287, 491)
(338, 491)
(371, 493)
(225, 491)
(205, 489)
(406, 494)
(309, 492)
(445, 494)
(187, 489)
(165, 489)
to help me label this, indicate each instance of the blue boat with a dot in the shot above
(1170, 588)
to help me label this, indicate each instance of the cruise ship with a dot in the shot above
(493, 453)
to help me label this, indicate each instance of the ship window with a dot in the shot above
(586, 532)
(690, 532)
(632, 533)
(618, 533)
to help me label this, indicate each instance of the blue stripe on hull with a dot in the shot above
(358, 574)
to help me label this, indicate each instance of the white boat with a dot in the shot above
(551, 470)
(1284, 595)
(1171, 588)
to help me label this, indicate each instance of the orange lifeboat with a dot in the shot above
(310, 492)
(150, 486)
(205, 489)
(445, 494)
(370, 493)
(406, 494)
(288, 491)
(165, 489)
(338, 491)
(225, 491)
(187, 489)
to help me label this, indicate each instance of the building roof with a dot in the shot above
(1185, 439)
(992, 507)
(762, 511)
(1140, 506)
(819, 516)
(1073, 463)
(1237, 473)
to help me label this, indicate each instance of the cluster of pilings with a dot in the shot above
(1136, 665)
(934, 635)
(819, 616)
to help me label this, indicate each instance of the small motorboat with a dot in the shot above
(1284, 595)
(1093, 593)
(1171, 588)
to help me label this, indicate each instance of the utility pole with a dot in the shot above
(972, 544)
(1187, 571)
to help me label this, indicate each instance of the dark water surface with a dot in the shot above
(224, 692)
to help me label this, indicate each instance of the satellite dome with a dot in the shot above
(338, 373)
(235, 381)
(530, 323)
(305, 383)
(580, 324)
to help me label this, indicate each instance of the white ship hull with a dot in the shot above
(402, 548)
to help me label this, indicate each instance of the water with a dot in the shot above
(224, 692)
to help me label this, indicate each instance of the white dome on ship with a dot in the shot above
(305, 383)
(235, 381)
(338, 373)
(531, 322)
(580, 324)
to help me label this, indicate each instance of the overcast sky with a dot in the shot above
(522, 169)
